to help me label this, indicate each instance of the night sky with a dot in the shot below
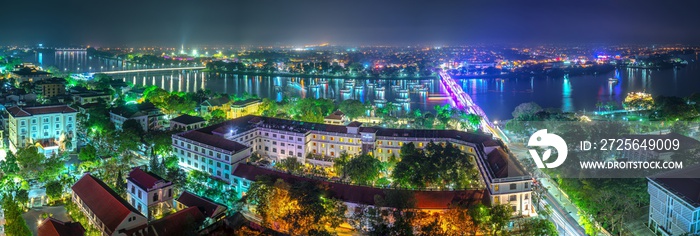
(347, 22)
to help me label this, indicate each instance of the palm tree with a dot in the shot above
(599, 105)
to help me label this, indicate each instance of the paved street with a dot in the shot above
(33, 216)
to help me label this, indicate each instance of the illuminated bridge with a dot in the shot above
(464, 102)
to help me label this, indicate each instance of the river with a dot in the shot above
(497, 97)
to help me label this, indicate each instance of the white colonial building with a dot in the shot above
(47, 126)
(149, 193)
(313, 143)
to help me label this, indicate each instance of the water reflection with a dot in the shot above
(405, 94)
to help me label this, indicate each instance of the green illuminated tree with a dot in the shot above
(363, 169)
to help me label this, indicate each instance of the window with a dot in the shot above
(299, 139)
(495, 188)
(323, 137)
(218, 164)
(389, 151)
(391, 143)
(139, 193)
(420, 144)
(332, 146)
(274, 135)
(274, 150)
(513, 186)
(299, 153)
(527, 185)
(314, 136)
(282, 151)
(340, 140)
(282, 136)
(170, 192)
(379, 142)
(513, 197)
(132, 189)
(155, 197)
(267, 148)
(332, 138)
(400, 143)
(332, 154)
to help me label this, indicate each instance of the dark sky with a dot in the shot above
(349, 22)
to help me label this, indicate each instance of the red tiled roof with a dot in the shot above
(365, 194)
(54, 227)
(107, 205)
(39, 110)
(208, 207)
(177, 224)
(145, 180)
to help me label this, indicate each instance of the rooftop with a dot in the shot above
(207, 207)
(212, 140)
(135, 110)
(336, 115)
(246, 102)
(179, 223)
(145, 180)
(106, 204)
(54, 227)
(684, 183)
(187, 119)
(39, 110)
(216, 101)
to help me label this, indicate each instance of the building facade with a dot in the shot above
(49, 88)
(674, 207)
(47, 126)
(318, 144)
(186, 122)
(244, 108)
(149, 193)
(146, 114)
